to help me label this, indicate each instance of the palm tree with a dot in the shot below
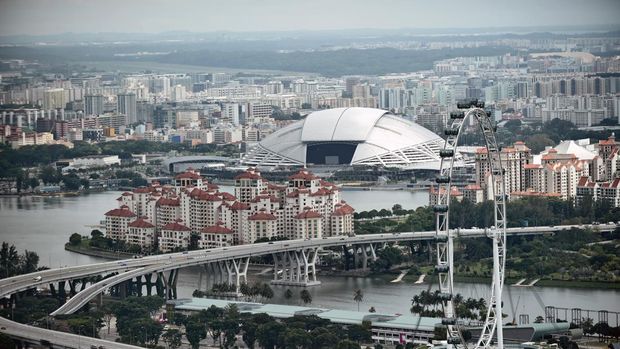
(288, 294)
(305, 296)
(358, 296)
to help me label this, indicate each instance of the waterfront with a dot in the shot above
(43, 225)
(387, 297)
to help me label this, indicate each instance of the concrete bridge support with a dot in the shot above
(295, 268)
(231, 272)
(167, 284)
(363, 254)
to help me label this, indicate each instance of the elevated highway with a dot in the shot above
(128, 269)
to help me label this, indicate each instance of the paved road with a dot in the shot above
(131, 268)
(175, 261)
(58, 339)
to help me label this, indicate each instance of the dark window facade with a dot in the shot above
(331, 153)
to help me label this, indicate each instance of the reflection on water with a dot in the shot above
(392, 298)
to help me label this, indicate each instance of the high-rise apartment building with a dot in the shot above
(93, 104)
(126, 105)
(54, 99)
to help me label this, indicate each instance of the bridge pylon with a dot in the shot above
(295, 268)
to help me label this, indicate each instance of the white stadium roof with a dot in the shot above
(352, 136)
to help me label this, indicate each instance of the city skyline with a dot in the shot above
(76, 16)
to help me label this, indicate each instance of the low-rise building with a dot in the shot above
(117, 222)
(174, 236)
(216, 236)
(141, 233)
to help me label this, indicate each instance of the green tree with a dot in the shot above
(295, 338)
(231, 311)
(513, 125)
(33, 182)
(305, 296)
(71, 182)
(268, 334)
(347, 344)
(172, 338)
(266, 292)
(28, 262)
(288, 294)
(359, 333)
(96, 234)
(48, 175)
(322, 337)
(358, 296)
(538, 142)
(249, 328)
(397, 208)
(75, 239)
(230, 329)
(8, 257)
(440, 333)
(195, 332)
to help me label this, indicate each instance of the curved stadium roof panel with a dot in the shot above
(349, 136)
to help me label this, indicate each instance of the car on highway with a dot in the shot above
(37, 278)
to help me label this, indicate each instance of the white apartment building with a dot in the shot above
(216, 236)
(141, 233)
(307, 207)
(598, 191)
(117, 222)
(174, 236)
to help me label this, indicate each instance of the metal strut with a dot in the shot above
(445, 237)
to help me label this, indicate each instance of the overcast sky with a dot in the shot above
(152, 16)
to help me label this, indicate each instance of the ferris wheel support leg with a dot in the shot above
(497, 282)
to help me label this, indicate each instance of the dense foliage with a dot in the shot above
(13, 160)
(537, 136)
(134, 319)
(329, 62)
(222, 325)
(568, 255)
(13, 263)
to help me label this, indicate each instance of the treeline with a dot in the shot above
(537, 136)
(12, 160)
(431, 304)
(329, 63)
(224, 325)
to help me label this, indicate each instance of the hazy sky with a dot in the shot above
(59, 16)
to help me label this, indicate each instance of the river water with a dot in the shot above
(43, 225)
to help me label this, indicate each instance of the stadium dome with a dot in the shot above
(349, 136)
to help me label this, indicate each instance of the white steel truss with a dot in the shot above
(445, 236)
